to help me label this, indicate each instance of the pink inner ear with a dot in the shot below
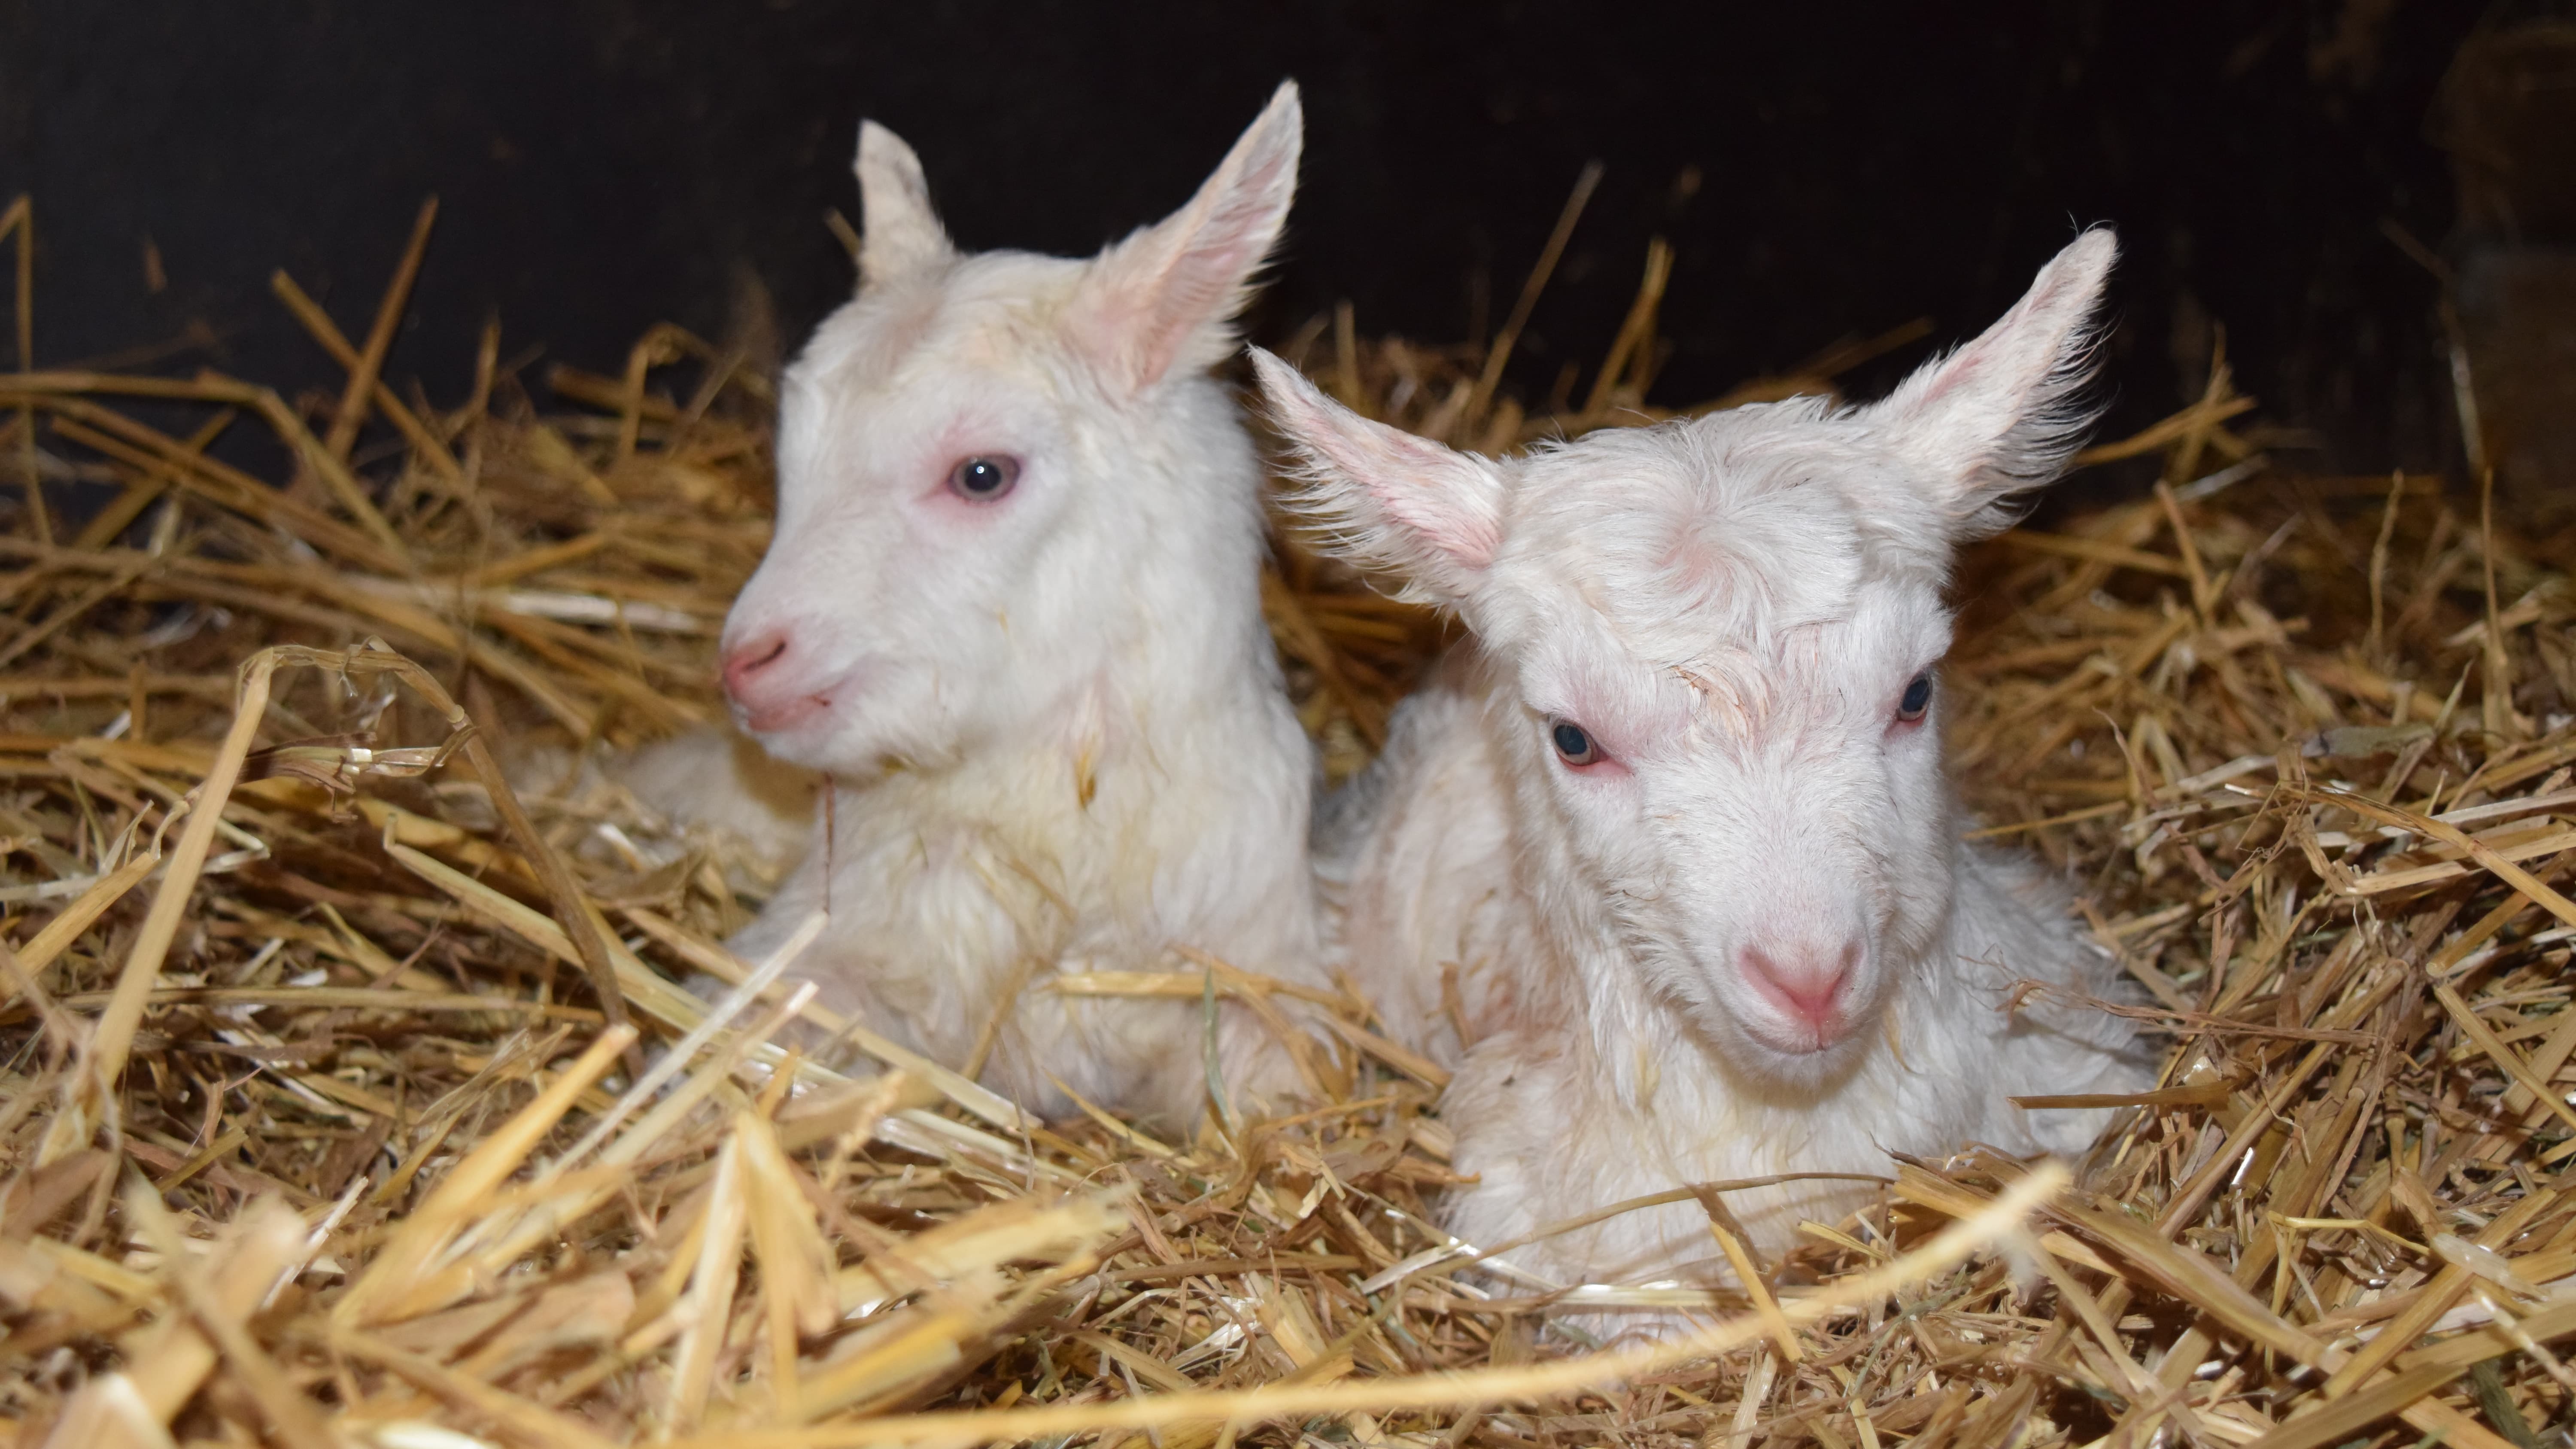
(1965, 365)
(1153, 294)
(1405, 485)
(1207, 276)
(1157, 313)
(1385, 498)
(1468, 542)
(1174, 284)
(1962, 368)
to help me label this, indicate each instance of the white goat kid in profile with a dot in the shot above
(1012, 610)
(1676, 823)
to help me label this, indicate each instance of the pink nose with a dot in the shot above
(773, 687)
(1806, 981)
(746, 663)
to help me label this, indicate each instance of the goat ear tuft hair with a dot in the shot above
(2001, 416)
(1429, 516)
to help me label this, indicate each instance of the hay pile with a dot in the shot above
(327, 1119)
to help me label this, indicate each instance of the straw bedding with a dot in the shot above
(348, 1100)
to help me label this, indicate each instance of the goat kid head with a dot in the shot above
(1714, 643)
(986, 462)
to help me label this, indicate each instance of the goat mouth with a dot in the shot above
(782, 717)
(1799, 1037)
(1804, 1041)
(796, 711)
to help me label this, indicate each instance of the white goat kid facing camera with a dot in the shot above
(1675, 825)
(1012, 609)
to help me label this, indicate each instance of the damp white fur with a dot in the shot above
(1665, 860)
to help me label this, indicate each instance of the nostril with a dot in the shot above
(751, 657)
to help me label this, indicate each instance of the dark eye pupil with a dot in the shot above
(1572, 742)
(1918, 695)
(980, 476)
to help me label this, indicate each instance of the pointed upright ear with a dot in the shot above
(1382, 498)
(899, 232)
(2001, 416)
(1161, 299)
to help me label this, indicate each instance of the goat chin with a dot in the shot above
(959, 895)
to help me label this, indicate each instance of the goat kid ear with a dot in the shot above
(2002, 415)
(1161, 299)
(1382, 498)
(899, 233)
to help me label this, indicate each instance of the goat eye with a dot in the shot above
(981, 480)
(1918, 698)
(1574, 744)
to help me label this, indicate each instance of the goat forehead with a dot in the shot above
(995, 310)
(859, 348)
(1734, 528)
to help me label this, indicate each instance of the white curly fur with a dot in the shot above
(1733, 607)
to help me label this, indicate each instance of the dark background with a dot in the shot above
(603, 164)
